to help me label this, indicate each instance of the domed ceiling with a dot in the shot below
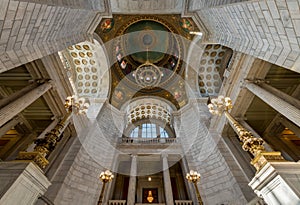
(146, 55)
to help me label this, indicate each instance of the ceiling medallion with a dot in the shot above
(148, 75)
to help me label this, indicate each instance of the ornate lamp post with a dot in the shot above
(250, 143)
(194, 177)
(47, 144)
(105, 177)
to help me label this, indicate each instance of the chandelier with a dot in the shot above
(76, 105)
(219, 105)
(148, 75)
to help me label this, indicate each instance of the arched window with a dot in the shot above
(135, 132)
(149, 130)
(163, 133)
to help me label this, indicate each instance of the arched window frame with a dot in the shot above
(145, 128)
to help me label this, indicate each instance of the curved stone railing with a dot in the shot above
(117, 202)
(127, 140)
(183, 202)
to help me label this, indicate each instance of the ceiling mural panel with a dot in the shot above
(147, 56)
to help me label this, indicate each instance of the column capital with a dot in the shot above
(164, 155)
(133, 155)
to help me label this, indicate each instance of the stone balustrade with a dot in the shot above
(151, 204)
(183, 202)
(128, 140)
(117, 202)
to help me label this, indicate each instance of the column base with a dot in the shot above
(21, 183)
(264, 157)
(278, 183)
(37, 157)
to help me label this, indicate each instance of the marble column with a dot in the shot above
(290, 99)
(167, 181)
(286, 109)
(5, 128)
(132, 181)
(15, 107)
(5, 101)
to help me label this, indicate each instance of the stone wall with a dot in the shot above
(82, 4)
(269, 30)
(146, 6)
(218, 184)
(30, 30)
(200, 4)
(90, 154)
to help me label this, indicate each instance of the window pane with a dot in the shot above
(153, 131)
(135, 132)
(149, 131)
(163, 133)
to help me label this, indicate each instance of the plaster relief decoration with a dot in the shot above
(212, 65)
(87, 69)
(149, 109)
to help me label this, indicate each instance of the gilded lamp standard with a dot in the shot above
(105, 177)
(44, 146)
(250, 143)
(194, 177)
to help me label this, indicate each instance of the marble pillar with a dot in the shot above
(15, 107)
(286, 109)
(290, 99)
(132, 181)
(167, 181)
(14, 96)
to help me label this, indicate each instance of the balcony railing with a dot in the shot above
(127, 140)
(117, 202)
(183, 202)
(123, 202)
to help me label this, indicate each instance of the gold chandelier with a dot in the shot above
(148, 75)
